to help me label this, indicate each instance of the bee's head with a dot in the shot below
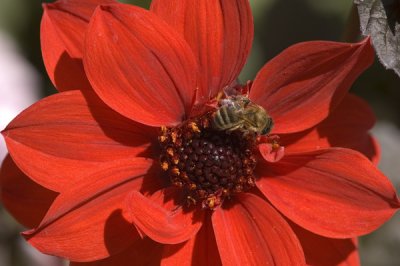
(268, 127)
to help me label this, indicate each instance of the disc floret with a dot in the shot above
(208, 165)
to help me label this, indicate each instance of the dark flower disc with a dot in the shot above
(208, 165)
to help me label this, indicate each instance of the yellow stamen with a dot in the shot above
(177, 183)
(194, 127)
(219, 96)
(170, 151)
(211, 202)
(175, 171)
(190, 200)
(184, 176)
(173, 136)
(162, 138)
(275, 146)
(164, 166)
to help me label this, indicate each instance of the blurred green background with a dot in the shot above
(278, 24)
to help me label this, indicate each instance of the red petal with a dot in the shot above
(60, 138)
(197, 251)
(220, 34)
(346, 127)
(334, 192)
(24, 199)
(143, 252)
(62, 33)
(161, 219)
(305, 82)
(139, 65)
(251, 232)
(87, 222)
(322, 251)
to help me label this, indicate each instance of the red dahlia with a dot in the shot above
(126, 165)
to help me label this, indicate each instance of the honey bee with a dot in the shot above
(240, 113)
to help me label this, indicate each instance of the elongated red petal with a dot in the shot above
(323, 251)
(24, 199)
(251, 232)
(334, 192)
(60, 138)
(220, 34)
(62, 31)
(139, 65)
(347, 126)
(86, 222)
(142, 252)
(305, 82)
(160, 219)
(197, 251)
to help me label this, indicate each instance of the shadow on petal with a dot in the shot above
(26, 200)
(92, 211)
(121, 129)
(347, 126)
(142, 252)
(201, 249)
(252, 232)
(323, 251)
(116, 228)
(69, 74)
(161, 219)
(310, 79)
(336, 192)
(285, 167)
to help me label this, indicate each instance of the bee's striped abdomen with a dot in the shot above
(225, 118)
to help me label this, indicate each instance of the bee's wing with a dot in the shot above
(245, 118)
(226, 102)
(232, 90)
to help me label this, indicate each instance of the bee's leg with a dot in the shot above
(246, 102)
(234, 128)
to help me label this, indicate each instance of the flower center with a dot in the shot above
(208, 165)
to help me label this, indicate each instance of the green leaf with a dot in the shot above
(381, 20)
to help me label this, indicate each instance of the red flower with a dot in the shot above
(96, 143)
